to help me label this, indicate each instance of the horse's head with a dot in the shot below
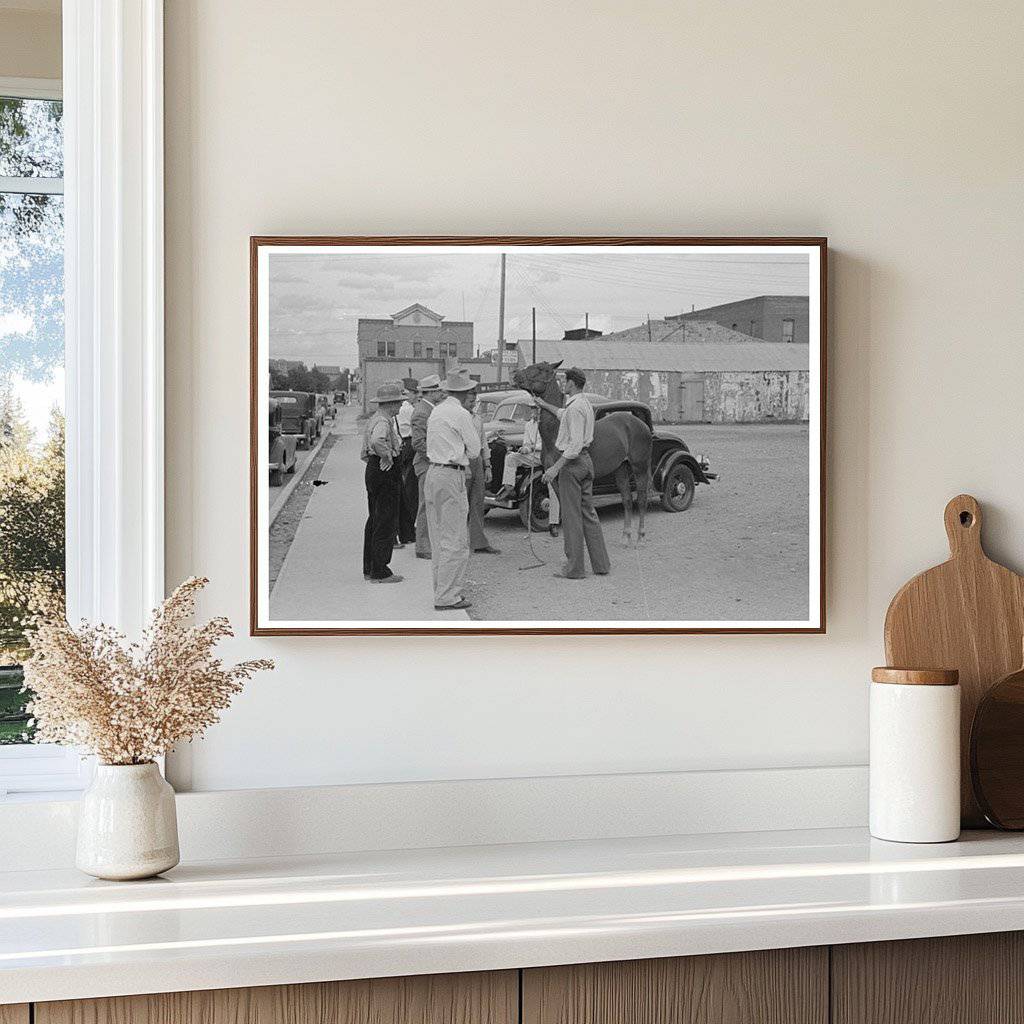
(537, 378)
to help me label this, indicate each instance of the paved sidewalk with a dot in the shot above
(322, 576)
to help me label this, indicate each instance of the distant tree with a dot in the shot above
(319, 382)
(32, 552)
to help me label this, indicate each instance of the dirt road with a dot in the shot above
(739, 552)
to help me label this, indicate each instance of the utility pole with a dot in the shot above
(501, 321)
(586, 323)
(533, 356)
(648, 326)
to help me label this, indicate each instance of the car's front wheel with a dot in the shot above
(677, 492)
(535, 514)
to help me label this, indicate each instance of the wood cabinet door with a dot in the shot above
(961, 979)
(778, 986)
(478, 998)
(14, 1013)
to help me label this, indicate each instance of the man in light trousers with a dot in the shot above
(574, 472)
(430, 396)
(452, 441)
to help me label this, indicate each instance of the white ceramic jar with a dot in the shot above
(915, 755)
(127, 824)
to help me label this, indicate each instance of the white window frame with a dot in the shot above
(114, 327)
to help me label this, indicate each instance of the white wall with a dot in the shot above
(895, 129)
(30, 39)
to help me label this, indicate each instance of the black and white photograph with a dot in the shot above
(551, 435)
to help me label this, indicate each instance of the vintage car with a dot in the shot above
(298, 416)
(676, 471)
(489, 403)
(282, 446)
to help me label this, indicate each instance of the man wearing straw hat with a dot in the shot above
(429, 396)
(380, 451)
(452, 442)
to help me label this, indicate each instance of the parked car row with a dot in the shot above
(297, 419)
(676, 470)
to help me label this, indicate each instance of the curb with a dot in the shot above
(281, 499)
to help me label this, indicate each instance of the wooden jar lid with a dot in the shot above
(916, 676)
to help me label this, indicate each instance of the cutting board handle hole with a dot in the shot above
(966, 519)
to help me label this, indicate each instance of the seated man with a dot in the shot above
(528, 456)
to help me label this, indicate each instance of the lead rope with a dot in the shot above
(537, 563)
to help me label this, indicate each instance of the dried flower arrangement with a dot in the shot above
(129, 703)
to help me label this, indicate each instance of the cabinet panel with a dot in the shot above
(962, 979)
(14, 1013)
(479, 998)
(778, 986)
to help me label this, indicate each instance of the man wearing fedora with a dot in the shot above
(380, 451)
(408, 494)
(429, 396)
(452, 442)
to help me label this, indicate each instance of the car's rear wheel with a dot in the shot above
(536, 514)
(677, 492)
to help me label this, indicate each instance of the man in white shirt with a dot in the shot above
(574, 472)
(452, 441)
(528, 455)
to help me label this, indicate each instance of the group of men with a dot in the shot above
(426, 471)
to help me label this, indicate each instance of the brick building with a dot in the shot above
(783, 319)
(413, 342)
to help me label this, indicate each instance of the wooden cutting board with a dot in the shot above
(967, 614)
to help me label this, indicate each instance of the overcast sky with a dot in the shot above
(316, 300)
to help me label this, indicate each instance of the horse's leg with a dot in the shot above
(643, 494)
(623, 482)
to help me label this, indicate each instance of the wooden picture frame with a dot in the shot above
(261, 248)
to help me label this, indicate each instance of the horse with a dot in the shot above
(622, 445)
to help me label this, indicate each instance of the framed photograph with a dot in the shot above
(537, 435)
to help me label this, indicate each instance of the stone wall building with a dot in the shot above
(724, 381)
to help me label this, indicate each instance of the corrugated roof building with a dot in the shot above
(721, 381)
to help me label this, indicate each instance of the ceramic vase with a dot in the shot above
(127, 826)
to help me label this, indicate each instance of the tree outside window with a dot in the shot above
(32, 551)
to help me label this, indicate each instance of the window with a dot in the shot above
(32, 551)
(787, 329)
(391, 349)
(430, 352)
(113, 254)
(417, 350)
(381, 349)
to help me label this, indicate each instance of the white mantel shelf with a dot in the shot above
(223, 924)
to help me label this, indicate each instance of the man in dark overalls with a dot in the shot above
(380, 451)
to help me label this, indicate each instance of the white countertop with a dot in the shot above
(273, 921)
